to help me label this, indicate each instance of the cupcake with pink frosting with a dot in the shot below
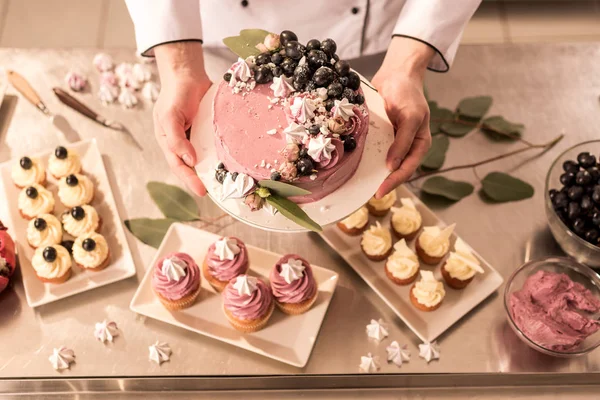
(247, 303)
(226, 259)
(293, 284)
(176, 281)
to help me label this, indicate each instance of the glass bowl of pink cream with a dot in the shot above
(553, 305)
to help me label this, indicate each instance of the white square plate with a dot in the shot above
(286, 338)
(121, 263)
(426, 325)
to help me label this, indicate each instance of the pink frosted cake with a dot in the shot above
(293, 113)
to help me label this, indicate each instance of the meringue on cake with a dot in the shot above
(35, 200)
(376, 242)
(380, 207)
(28, 171)
(44, 230)
(225, 259)
(75, 190)
(434, 243)
(293, 285)
(402, 267)
(355, 223)
(248, 303)
(64, 162)
(428, 293)
(461, 266)
(176, 281)
(406, 220)
(91, 252)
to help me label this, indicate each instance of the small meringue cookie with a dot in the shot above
(127, 98)
(108, 94)
(150, 91)
(76, 81)
(141, 72)
(103, 62)
(109, 78)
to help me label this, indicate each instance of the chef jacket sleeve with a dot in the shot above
(164, 21)
(437, 23)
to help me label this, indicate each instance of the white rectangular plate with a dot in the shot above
(426, 325)
(286, 338)
(121, 264)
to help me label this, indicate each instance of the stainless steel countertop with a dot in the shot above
(550, 88)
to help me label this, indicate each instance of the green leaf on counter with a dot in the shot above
(293, 212)
(452, 190)
(456, 129)
(149, 231)
(497, 128)
(501, 187)
(173, 201)
(244, 45)
(434, 159)
(474, 107)
(438, 116)
(282, 189)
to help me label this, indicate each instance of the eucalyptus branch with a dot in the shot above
(479, 125)
(544, 146)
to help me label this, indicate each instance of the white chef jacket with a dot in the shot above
(359, 27)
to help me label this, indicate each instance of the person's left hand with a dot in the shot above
(400, 83)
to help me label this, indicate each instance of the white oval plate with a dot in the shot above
(348, 198)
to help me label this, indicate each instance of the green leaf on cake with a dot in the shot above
(456, 129)
(498, 128)
(434, 159)
(173, 201)
(452, 190)
(293, 212)
(149, 231)
(244, 45)
(474, 107)
(501, 187)
(282, 189)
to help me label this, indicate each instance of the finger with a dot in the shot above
(186, 174)
(419, 148)
(173, 128)
(408, 126)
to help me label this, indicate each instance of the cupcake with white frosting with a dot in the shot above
(434, 243)
(45, 230)
(461, 266)
(380, 207)
(75, 190)
(28, 171)
(406, 220)
(80, 220)
(402, 267)
(355, 223)
(428, 293)
(64, 162)
(91, 252)
(35, 200)
(376, 242)
(52, 264)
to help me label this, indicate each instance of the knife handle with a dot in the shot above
(75, 104)
(26, 90)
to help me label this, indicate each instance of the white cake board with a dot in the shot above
(371, 172)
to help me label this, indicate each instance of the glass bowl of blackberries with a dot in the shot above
(573, 202)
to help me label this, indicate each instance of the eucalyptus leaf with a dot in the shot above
(173, 201)
(474, 107)
(456, 129)
(290, 210)
(498, 128)
(502, 187)
(452, 190)
(149, 231)
(244, 45)
(434, 159)
(438, 116)
(283, 189)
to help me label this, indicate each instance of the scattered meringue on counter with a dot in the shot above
(76, 81)
(106, 331)
(141, 72)
(150, 91)
(377, 330)
(62, 358)
(397, 354)
(103, 62)
(109, 79)
(108, 94)
(159, 352)
(429, 351)
(369, 364)
(127, 98)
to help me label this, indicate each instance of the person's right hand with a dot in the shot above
(184, 82)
